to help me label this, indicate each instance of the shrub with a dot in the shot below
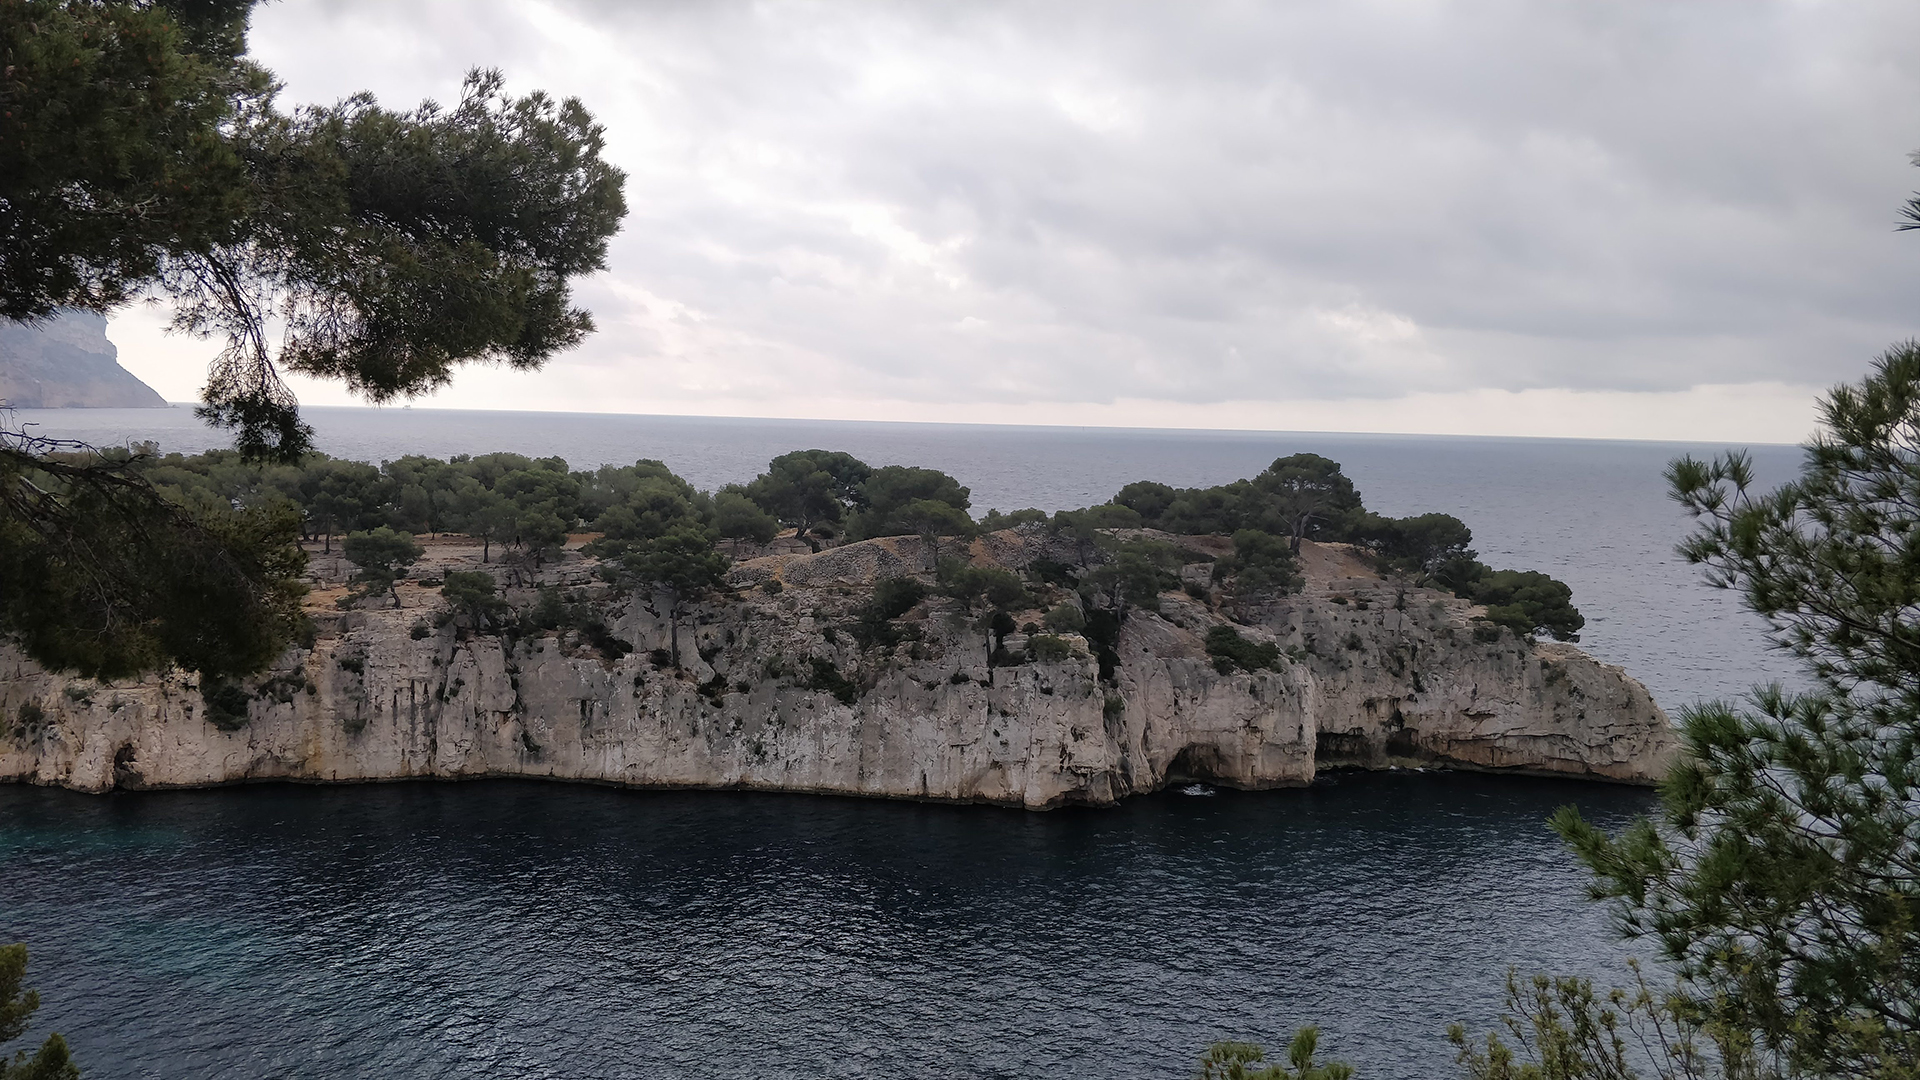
(1261, 563)
(1049, 649)
(972, 585)
(895, 596)
(1114, 707)
(826, 678)
(1051, 572)
(1232, 652)
(1066, 619)
(226, 704)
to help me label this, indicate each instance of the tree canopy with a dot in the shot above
(1782, 877)
(140, 150)
(52, 1061)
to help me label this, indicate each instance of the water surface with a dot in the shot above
(498, 928)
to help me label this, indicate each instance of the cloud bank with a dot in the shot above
(1637, 219)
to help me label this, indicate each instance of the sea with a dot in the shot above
(537, 930)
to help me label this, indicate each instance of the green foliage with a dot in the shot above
(1140, 571)
(1147, 498)
(1262, 564)
(895, 596)
(975, 585)
(1048, 648)
(892, 598)
(1529, 602)
(51, 1061)
(1103, 633)
(804, 488)
(104, 575)
(996, 521)
(1562, 1030)
(1232, 652)
(383, 556)
(225, 703)
(1420, 546)
(472, 599)
(144, 152)
(681, 562)
(1246, 1061)
(1781, 878)
(678, 566)
(825, 678)
(1066, 619)
(1221, 510)
(1308, 492)
(901, 499)
(112, 153)
(737, 517)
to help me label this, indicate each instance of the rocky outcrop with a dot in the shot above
(784, 687)
(68, 363)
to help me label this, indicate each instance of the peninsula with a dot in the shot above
(1030, 660)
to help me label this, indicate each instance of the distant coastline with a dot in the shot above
(68, 363)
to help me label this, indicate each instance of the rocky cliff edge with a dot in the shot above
(776, 690)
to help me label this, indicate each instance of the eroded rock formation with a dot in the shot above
(776, 691)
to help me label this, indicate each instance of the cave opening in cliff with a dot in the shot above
(1196, 763)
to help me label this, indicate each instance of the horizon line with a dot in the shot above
(1013, 426)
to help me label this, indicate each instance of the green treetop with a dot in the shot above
(141, 150)
(806, 488)
(383, 556)
(679, 565)
(52, 1060)
(1307, 490)
(892, 489)
(1782, 878)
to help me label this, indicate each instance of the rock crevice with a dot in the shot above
(1372, 674)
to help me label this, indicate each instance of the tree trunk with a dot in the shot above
(486, 548)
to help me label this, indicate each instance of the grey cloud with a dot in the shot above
(1216, 201)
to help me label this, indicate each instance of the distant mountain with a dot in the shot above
(67, 363)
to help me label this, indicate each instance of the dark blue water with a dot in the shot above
(528, 930)
(416, 931)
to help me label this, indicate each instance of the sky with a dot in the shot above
(1621, 220)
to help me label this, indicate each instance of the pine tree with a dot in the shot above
(1783, 877)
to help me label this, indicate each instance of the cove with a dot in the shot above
(533, 929)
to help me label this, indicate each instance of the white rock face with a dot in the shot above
(1372, 674)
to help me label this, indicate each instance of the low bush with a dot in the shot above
(1049, 648)
(1231, 652)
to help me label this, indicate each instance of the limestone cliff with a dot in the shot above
(776, 690)
(67, 363)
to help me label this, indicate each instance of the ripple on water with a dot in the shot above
(447, 930)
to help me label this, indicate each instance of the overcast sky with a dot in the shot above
(1618, 219)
